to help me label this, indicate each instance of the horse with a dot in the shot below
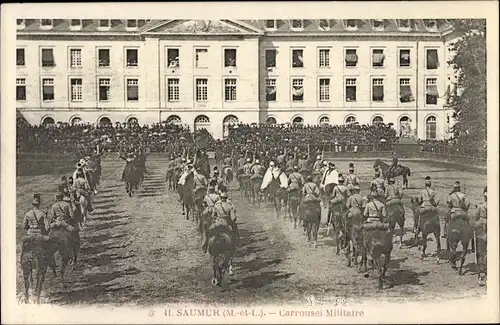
(254, 185)
(377, 242)
(336, 218)
(311, 215)
(276, 194)
(221, 247)
(292, 205)
(459, 231)
(132, 178)
(67, 243)
(400, 170)
(426, 222)
(198, 195)
(186, 191)
(396, 216)
(227, 174)
(354, 221)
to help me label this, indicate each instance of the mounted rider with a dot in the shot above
(241, 163)
(209, 202)
(81, 184)
(339, 198)
(218, 182)
(480, 223)
(458, 204)
(329, 180)
(257, 170)
(187, 169)
(200, 181)
(274, 172)
(247, 167)
(310, 194)
(317, 164)
(130, 160)
(393, 165)
(427, 197)
(295, 180)
(61, 214)
(35, 220)
(351, 178)
(374, 211)
(355, 201)
(378, 184)
(392, 194)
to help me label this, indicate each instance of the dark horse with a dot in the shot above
(377, 242)
(187, 195)
(400, 170)
(221, 247)
(276, 193)
(426, 222)
(311, 215)
(132, 178)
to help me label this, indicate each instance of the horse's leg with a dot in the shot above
(27, 274)
(40, 278)
(64, 263)
(465, 245)
(401, 224)
(437, 233)
(215, 269)
(384, 268)
(425, 233)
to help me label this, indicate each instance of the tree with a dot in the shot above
(469, 63)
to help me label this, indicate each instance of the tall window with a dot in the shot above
(104, 89)
(201, 58)
(76, 90)
(297, 89)
(270, 58)
(378, 58)
(20, 89)
(229, 90)
(324, 120)
(20, 57)
(48, 58)
(377, 120)
(173, 58)
(270, 90)
(350, 89)
(324, 89)
(297, 24)
(48, 89)
(270, 24)
(350, 120)
(297, 58)
(201, 90)
(351, 58)
(404, 58)
(75, 58)
(173, 90)
(132, 57)
(432, 59)
(132, 89)
(230, 57)
(104, 58)
(431, 91)
(405, 93)
(431, 128)
(324, 58)
(378, 89)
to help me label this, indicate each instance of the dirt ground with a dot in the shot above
(142, 251)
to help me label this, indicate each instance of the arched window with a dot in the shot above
(350, 120)
(174, 119)
(48, 121)
(377, 120)
(228, 121)
(76, 120)
(404, 126)
(431, 128)
(132, 120)
(324, 120)
(201, 122)
(105, 121)
(271, 120)
(298, 120)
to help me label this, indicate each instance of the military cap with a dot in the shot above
(223, 195)
(456, 185)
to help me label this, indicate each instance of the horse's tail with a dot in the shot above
(409, 172)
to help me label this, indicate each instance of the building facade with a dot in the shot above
(208, 74)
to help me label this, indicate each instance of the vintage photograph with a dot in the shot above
(250, 161)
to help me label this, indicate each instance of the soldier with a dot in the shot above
(317, 164)
(295, 180)
(35, 220)
(427, 197)
(257, 169)
(480, 223)
(130, 158)
(81, 184)
(378, 184)
(458, 204)
(329, 179)
(356, 200)
(351, 178)
(224, 214)
(392, 193)
(374, 210)
(339, 198)
(394, 164)
(200, 181)
(247, 167)
(61, 214)
(241, 163)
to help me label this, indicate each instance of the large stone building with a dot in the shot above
(211, 73)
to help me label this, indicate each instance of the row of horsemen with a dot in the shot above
(324, 185)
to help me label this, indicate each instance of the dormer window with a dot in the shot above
(46, 23)
(75, 23)
(430, 24)
(20, 23)
(350, 24)
(297, 24)
(104, 23)
(378, 24)
(132, 23)
(404, 24)
(270, 24)
(324, 24)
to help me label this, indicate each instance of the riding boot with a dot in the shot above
(445, 230)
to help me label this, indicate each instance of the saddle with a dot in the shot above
(375, 225)
(309, 198)
(393, 202)
(256, 176)
(293, 187)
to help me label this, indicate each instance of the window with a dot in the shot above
(230, 57)
(377, 120)
(104, 58)
(404, 23)
(350, 90)
(271, 120)
(351, 58)
(324, 90)
(75, 23)
(324, 58)
(324, 24)
(404, 126)
(132, 23)
(324, 120)
(298, 120)
(201, 90)
(431, 128)
(378, 58)
(201, 58)
(297, 58)
(174, 119)
(20, 89)
(350, 24)
(270, 58)
(405, 93)
(297, 24)
(173, 58)
(132, 57)
(432, 59)
(104, 89)
(132, 89)
(430, 24)
(48, 89)
(378, 24)
(229, 90)
(270, 24)
(76, 90)
(173, 90)
(431, 91)
(297, 89)
(377, 90)
(201, 122)
(76, 120)
(47, 23)
(133, 120)
(75, 57)
(48, 58)
(20, 57)
(270, 90)
(104, 23)
(350, 120)
(404, 58)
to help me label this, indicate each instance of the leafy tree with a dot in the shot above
(469, 63)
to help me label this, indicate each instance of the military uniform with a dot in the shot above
(35, 222)
(310, 192)
(375, 211)
(351, 178)
(427, 198)
(84, 187)
(200, 181)
(458, 204)
(480, 225)
(295, 181)
(247, 168)
(392, 193)
(61, 214)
